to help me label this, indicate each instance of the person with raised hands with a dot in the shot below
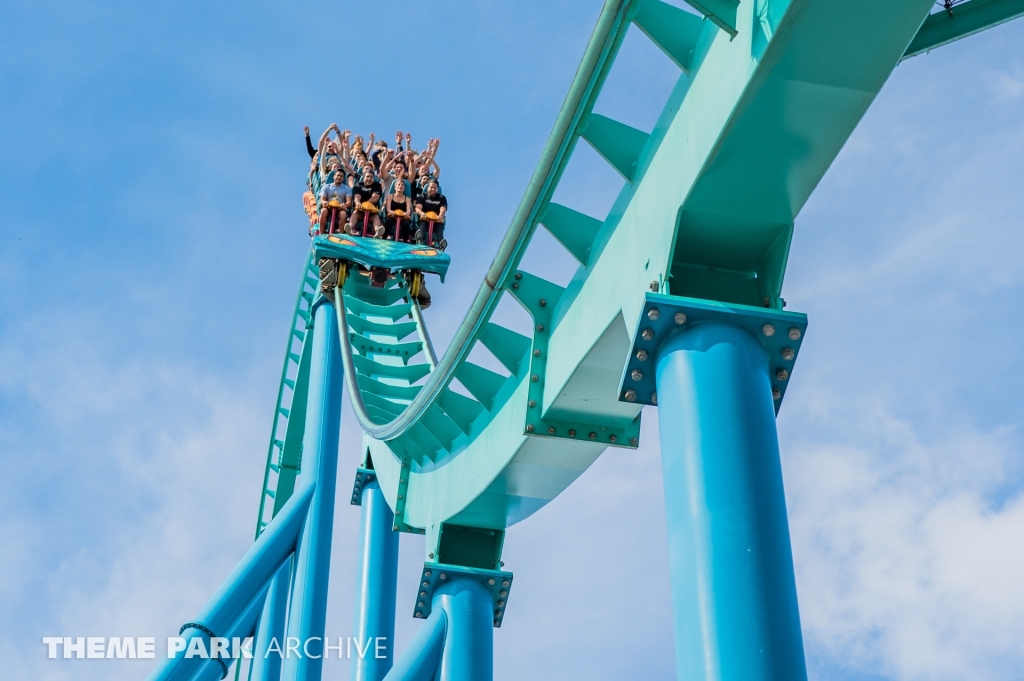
(366, 206)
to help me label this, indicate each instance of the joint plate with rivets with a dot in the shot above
(363, 476)
(434, 575)
(780, 332)
(539, 298)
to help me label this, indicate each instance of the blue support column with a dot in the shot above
(376, 585)
(248, 580)
(308, 613)
(733, 589)
(419, 661)
(268, 667)
(469, 643)
(219, 667)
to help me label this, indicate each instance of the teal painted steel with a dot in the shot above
(276, 452)
(420, 660)
(574, 230)
(966, 19)
(616, 142)
(723, 13)
(308, 609)
(779, 333)
(382, 253)
(264, 666)
(733, 589)
(707, 215)
(675, 31)
(497, 583)
(376, 584)
(244, 585)
(468, 653)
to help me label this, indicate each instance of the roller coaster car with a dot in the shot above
(379, 259)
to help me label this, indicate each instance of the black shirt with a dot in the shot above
(310, 149)
(363, 192)
(432, 204)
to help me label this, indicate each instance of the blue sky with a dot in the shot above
(151, 234)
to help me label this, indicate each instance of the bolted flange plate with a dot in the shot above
(363, 476)
(780, 332)
(436, 574)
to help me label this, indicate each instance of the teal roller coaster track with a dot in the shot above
(676, 303)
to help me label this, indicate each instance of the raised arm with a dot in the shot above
(431, 161)
(387, 163)
(309, 143)
(345, 151)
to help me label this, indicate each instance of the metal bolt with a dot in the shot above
(630, 395)
(444, 576)
(501, 604)
(647, 334)
(680, 318)
(641, 355)
(430, 555)
(782, 375)
(505, 583)
(515, 284)
(491, 581)
(533, 403)
(788, 354)
(612, 438)
(529, 428)
(794, 334)
(543, 303)
(519, 275)
(423, 594)
(426, 574)
(420, 604)
(768, 330)
(776, 394)
(503, 594)
(636, 375)
(535, 378)
(426, 584)
(399, 496)
(654, 286)
(536, 353)
(654, 399)
(401, 481)
(419, 614)
(592, 435)
(551, 430)
(653, 314)
(572, 432)
(540, 327)
(634, 441)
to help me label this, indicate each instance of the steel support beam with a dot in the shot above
(308, 612)
(272, 622)
(733, 589)
(376, 585)
(469, 642)
(248, 580)
(944, 27)
(420, 660)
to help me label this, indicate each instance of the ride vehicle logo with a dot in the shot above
(144, 647)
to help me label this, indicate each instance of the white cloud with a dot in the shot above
(906, 566)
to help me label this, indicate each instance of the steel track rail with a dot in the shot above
(586, 85)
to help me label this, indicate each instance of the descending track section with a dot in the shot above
(706, 213)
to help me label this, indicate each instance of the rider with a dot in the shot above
(398, 210)
(432, 207)
(335, 199)
(367, 197)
